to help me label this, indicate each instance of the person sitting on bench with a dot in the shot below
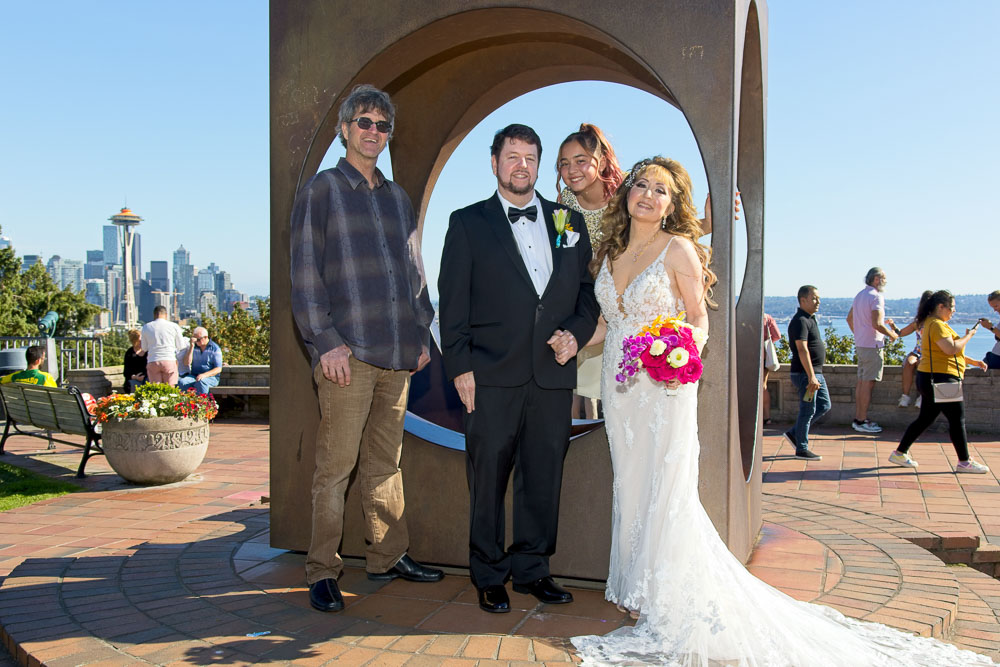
(35, 356)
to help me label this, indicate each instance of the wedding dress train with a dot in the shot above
(699, 605)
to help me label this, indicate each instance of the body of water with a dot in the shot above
(977, 348)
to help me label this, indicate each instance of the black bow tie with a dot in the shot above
(515, 214)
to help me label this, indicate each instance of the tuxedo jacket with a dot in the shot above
(492, 321)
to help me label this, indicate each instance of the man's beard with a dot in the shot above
(509, 187)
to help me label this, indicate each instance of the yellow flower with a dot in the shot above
(657, 348)
(678, 357)
(675, 323)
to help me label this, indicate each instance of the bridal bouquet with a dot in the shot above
(667, 349)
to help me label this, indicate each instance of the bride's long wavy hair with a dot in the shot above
(682, 220)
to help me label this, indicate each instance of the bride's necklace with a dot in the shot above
(638, 253)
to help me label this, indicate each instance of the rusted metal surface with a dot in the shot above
(449, 64)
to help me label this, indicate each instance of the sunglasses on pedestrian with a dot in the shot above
(365, 123)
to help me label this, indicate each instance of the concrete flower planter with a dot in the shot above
(157, 450)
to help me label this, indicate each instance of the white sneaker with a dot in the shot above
(866, 426)
(919, 399)
(902, 459)
(905, 400)
(971, 466)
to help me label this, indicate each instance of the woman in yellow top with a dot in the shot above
(944, 351)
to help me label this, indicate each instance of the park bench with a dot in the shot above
(243, 382)
(53, 409)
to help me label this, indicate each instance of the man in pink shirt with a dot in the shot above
(866, 318)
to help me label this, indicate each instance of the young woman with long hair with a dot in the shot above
(943, 361)
(587, 165)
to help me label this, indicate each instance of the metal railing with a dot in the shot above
(74, 351)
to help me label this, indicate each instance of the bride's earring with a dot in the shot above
(663, 223)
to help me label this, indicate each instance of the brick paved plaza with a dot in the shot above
(183, 574)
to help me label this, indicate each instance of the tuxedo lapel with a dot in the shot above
(550, 228)
(496, 219)
(548, 208)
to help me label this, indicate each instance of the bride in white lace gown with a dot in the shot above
(696, 603)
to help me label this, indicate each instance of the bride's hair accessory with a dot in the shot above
(639, 166)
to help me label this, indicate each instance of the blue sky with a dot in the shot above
(882, 138)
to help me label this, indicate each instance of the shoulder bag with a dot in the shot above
(944, 392)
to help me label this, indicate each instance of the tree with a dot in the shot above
(839, 349)
(26, 297)
(243, 338)
(783, 350)
(114, 346)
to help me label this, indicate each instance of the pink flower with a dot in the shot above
(690, 372)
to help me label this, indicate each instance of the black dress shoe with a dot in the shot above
(325, 595)
(494, 599)
(546, 590)
(408, 569)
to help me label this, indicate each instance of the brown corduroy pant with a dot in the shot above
(361, 426)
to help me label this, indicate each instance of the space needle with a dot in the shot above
(127, 221)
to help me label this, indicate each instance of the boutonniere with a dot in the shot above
(563, 227)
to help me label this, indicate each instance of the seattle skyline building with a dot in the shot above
(129, 295)
(94, 269)
(127, 221)
(111, 245)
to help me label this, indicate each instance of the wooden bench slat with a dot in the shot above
(17, 409)
(41, 411)
(236, 391)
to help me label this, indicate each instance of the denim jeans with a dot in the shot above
(992, 360)
(808, 410)
(200, 386)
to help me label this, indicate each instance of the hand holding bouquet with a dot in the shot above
(667, 349)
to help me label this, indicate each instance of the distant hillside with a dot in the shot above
(970, 307)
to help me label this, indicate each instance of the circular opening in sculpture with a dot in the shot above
(637, 124)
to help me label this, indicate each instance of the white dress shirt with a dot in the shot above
(533, 243)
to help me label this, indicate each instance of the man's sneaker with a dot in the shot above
(919, 401)
(867, 426)
(902, 459)
(971, 466)
(808, 455)
(905, 401)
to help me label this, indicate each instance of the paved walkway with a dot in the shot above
(183, 574)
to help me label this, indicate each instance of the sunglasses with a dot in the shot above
(365, 123)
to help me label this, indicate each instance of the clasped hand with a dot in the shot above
(563, 343)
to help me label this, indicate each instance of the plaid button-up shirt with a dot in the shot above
(357, 274)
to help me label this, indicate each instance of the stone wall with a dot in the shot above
(982, 398)
(254, 403)
(97, 382)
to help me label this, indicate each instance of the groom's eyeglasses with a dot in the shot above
(365, 123)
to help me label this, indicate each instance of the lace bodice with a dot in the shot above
(648, 296)
(592, 218)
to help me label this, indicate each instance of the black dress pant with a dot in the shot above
(524, 429)
(929, 410)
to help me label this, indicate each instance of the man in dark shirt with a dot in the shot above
(359, 297)
(808, 356)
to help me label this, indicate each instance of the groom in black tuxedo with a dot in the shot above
(516, 302)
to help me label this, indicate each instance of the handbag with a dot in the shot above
(771, 362)
(944, 392)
